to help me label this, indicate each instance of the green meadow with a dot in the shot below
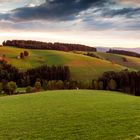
(70, 115)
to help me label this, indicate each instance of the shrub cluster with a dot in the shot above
(8, 87)
(24, 54)
(58, 85)
(92, 55)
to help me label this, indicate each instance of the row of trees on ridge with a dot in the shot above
(29, 44)
(123, 52)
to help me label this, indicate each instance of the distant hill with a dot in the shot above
(82, 67)
(137, 50)
(124, 52)
(104, 49)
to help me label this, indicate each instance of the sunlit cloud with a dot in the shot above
(131, 2)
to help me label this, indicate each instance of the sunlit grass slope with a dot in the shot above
(132, 62)
(72, 115)
(81, 67)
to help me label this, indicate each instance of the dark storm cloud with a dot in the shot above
(67, 10)
(55, 10)
(95, 12)
(127, 12)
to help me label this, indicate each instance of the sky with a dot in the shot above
(106, 23)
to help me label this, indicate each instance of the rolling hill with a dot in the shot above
(75, 114)
(131, 62)
(81, 67)
(104, 49)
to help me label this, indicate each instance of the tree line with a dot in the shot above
(43, 73)
(29, 44)
(58, 77)
(124, 81)
(123, 52)
(9, 73)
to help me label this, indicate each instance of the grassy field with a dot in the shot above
(70, 115)
(132, 62)
(81, 67)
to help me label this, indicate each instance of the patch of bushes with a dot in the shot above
(8, 88)
(124, 59)
(23, 55)
(92, 55)
(29, 89)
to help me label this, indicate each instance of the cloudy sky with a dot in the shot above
(108, 23)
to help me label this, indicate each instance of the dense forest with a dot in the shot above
(29, 77)
(29, 44)
(43, 73)
(123, 52)
(124, 81)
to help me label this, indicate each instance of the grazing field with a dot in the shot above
(81, 67)
(71, 115)
(131, 62)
